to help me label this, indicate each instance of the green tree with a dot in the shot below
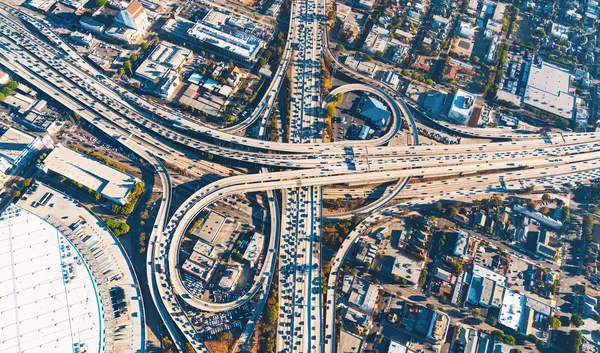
(144, 46)
(127, 66)
(554, 323)
(2, 96)
(476, 313)
(340, 47)
(577, 320)
(120, 71)
(117, 227)
(262, 62)
(379, 54)
(17, 194)
(133, 58)
(27, 182)
(574, 341)
(380, 338)
(101, 3)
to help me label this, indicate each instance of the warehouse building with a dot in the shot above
(16, 148)
(111, 183)
(217, 34)
(548, 89)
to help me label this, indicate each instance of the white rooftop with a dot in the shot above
(513, 304)
(255, 247)
(169, 54)
(166, 56)
(548, 90)
(106, 180)
(48, 300)
(13, 142)
(479, 271)
(210, 30)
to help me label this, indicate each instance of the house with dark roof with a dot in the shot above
(374, 111)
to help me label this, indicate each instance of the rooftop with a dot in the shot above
(548, 89)
(49, 301)
(349, 343)
(165, 57)
(511, 310)
(110, 182)
(13, 142)
(255, 247)
(210, 227)
(230, 277)
(213, 30)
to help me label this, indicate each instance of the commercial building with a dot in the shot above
(545, 220)
(254, 249)
(349, 342)
(84, 40)
(92, 25)
(462, 107)
(20, 102)
(364, 295)
(392, 79)
(159, 72)
(374, 111)
(211, 226)
(111, 183)
(486, 287)
(130, 24)
(41, 121)
(230, 277)
(50, 302)
(216, 32)
(548, 89)
(40, 5)
(16, 148)
(199, 266)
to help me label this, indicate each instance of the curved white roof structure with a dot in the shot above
(48, 299)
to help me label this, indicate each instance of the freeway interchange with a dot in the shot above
(159, 134)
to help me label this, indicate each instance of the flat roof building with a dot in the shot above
(40, 5)
(16, 147)
(486, 287)
(159, 70)
(199, 266)
(349, 343)
(548, 90)
(254, 249)
(217, 33)
(211, 226)
(109, 182)
(462, 107)
(20, 102)
(230, 277)
(364, 295)
(92, 25)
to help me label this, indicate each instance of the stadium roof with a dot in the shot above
(48, 299)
